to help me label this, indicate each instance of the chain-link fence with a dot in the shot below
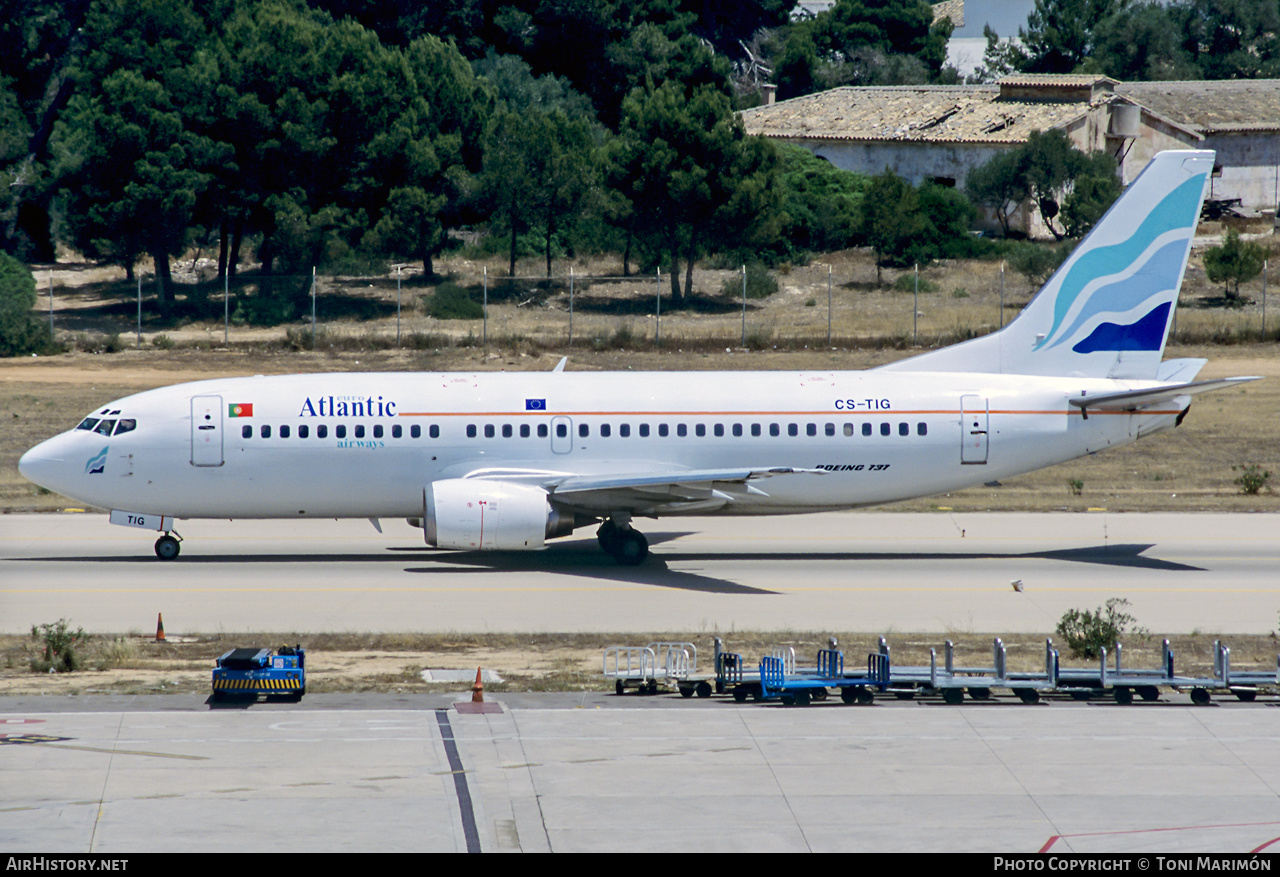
(836, 304)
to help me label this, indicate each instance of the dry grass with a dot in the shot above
(559, 662)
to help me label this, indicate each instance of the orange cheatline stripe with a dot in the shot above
(887, 412)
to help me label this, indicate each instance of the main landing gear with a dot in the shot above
(168, 546)
(624, 544)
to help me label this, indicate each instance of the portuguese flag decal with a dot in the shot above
(243, 409)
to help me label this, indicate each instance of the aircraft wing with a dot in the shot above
(685, 490)
(1132, 400)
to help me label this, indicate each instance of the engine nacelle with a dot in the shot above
(480, 515)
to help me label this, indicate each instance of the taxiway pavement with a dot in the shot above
(413, 775)
(864, 571)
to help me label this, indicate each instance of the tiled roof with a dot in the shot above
(939, 113)
(1230, 105)
(952, 9)
(978, 113)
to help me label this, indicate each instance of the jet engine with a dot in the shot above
(475, 514)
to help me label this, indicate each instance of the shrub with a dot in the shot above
(1087, 633)
(21, 331)
(1234, 262)
(59, 647)
(907, 283)
(451, 302)
(264, 311)
(760, 283)
(1252, 478)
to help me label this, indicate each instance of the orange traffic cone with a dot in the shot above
(159, 627)
(477, 690)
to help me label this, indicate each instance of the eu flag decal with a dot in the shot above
(242, 409)
(535, 404)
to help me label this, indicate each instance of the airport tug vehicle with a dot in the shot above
(243, 672)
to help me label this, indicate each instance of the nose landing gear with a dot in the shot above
(168, 546)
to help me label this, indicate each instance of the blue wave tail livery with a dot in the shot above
(506, 461)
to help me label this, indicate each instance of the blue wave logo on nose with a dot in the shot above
(97, 463)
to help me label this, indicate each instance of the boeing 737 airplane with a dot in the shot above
(507, 461)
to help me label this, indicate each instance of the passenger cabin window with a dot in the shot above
(415, 431)
(322, 430)
(340, 431)
(284, 431)
(246, 431)
(304, 431)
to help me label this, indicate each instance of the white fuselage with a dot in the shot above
(366, 445)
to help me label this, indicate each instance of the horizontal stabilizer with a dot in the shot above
(1132, 400)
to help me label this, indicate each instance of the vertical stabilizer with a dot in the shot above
(1107, 310)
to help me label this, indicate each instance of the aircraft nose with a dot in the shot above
(41, 464)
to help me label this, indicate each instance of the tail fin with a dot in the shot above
(1106, 312)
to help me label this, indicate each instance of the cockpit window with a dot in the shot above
(88, 423)
(105, 427)
(126, 425)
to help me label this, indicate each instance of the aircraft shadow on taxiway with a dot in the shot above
(582, 557)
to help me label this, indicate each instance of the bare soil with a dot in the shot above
(555, 662)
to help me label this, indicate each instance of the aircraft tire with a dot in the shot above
(629, 547)
(167, 547)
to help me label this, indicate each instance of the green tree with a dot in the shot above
(1043, 170)
(1059, 33)
(693, 179)
(21, 332)
(1142, 42)
(538, 168)
(135, 166)
(822, 203)
(1234, 262)
(905, 225)
(419, 171)
(1231, 39)
(999, 183)
(891, 220)
(1094, 189)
